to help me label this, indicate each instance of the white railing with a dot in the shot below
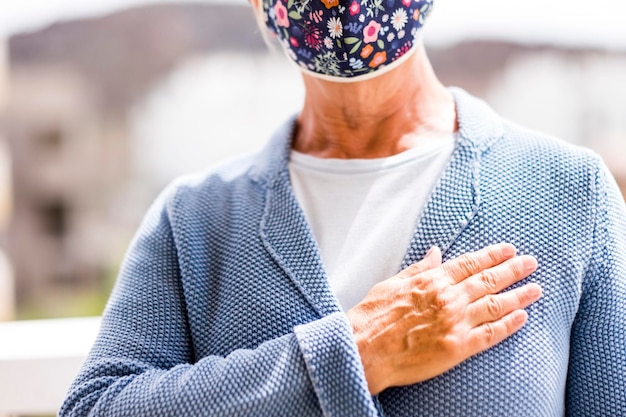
(38, 361)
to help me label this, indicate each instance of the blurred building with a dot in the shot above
(7, 293)
(74, 85)
(84, 172)
(66, 157)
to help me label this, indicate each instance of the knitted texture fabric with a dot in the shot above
(222, 306)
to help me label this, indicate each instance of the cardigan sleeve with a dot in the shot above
(597, 372)
(142, 363)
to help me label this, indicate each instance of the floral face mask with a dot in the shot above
(346, 40)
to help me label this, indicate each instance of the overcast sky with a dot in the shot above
(597, 23)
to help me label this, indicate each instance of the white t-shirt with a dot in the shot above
(363, 212)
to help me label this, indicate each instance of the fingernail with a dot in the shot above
(530, 263)
(430, 251)
(508, 250)
(534, 290)
(519, 317)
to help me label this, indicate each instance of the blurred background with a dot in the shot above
(103, 103)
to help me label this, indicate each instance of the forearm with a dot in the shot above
(246, 382)
(312, 371)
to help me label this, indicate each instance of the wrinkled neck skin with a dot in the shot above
(375, 118)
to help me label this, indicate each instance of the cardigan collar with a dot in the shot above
(453, 204)
(479, 125)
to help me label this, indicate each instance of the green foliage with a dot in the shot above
(65, 303)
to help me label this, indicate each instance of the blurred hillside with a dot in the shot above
(99, 118)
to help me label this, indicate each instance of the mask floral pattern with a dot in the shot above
(345, 38)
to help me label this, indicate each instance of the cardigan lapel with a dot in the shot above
(285, 231)
(455, 199)
(450, 208)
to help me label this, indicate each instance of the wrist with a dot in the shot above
(374, 370)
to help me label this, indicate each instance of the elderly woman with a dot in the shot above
(269, 286)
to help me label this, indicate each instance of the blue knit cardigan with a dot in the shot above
(223, 308)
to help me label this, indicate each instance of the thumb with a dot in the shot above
(431, 260)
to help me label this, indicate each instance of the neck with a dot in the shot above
(375, 118)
